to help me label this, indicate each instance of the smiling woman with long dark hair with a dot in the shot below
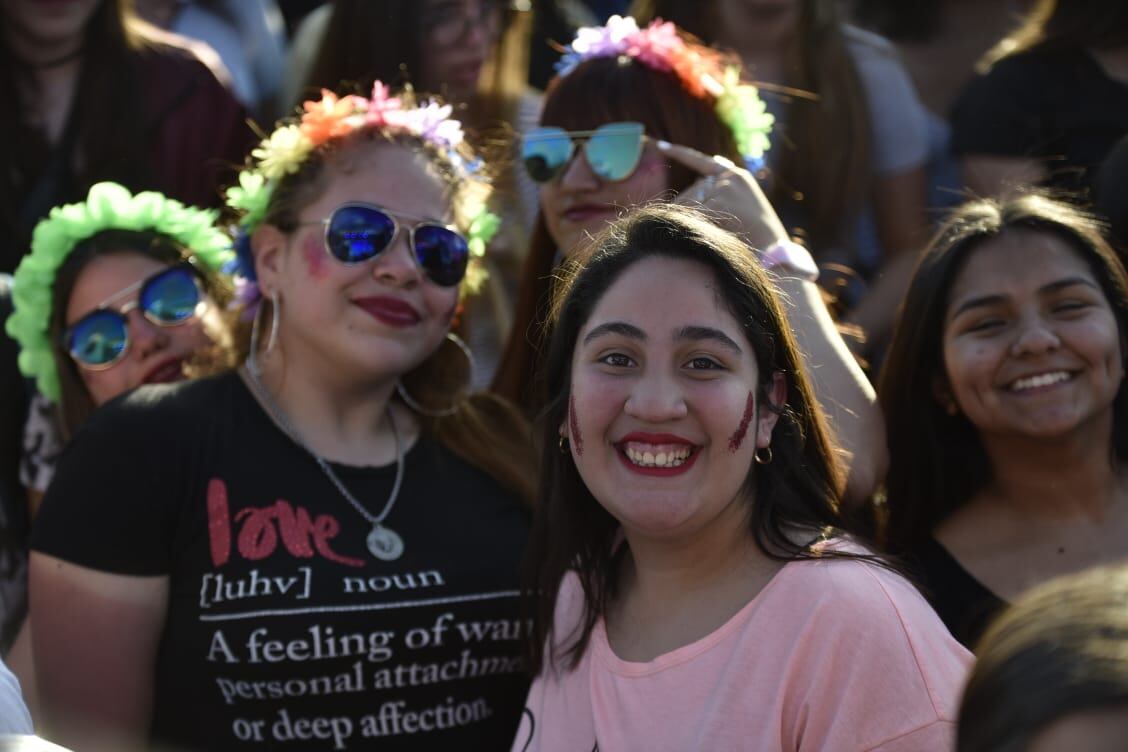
(690, 585)
(1005, 407)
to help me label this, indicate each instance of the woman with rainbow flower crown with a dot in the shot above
(631, 118)
(320, 549)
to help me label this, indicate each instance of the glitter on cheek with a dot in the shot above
(317, 264)
(574, 427)
(737, 438)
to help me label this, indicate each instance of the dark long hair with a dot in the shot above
(75, 402)
(1061, 650)
(823, 166)
(598, 91)
(798, 491)
(104, 112)
(937, 461)
(369, 41)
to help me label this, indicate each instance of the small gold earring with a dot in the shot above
(763, 455)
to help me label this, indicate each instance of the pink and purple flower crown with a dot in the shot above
(661, 47)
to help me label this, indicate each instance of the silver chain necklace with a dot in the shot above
(385, 544)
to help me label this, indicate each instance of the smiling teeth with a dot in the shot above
(658, 456)
(1042, 379)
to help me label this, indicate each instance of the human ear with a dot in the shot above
(267, 246)
(768, 415)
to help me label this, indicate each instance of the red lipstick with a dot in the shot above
(390, 311)
(165, 372)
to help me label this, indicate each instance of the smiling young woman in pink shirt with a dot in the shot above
(691, 587)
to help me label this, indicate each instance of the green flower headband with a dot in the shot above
(284, 151)
(108, 206)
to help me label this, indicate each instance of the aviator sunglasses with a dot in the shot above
(100, 339)
(358, 232)
(612, 151)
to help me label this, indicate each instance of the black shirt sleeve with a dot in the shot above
(113, 502)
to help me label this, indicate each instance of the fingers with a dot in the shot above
(695, 160)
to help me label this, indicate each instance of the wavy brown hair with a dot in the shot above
(797, 495)
(936, 460)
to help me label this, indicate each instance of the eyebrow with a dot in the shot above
(708, 333)
(1052, 287)
(691, 333)
(616, 327)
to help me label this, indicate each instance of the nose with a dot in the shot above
(578, 175)
(397, 265)
(146, 338)
(1034, 338)
(656, 398)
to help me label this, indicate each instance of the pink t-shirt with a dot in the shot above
(830, 655)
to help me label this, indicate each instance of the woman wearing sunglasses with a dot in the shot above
(629, 120)
(319, 549)
(118, 291)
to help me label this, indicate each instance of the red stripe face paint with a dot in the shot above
(316, 260)
(574, 427)
(742, 430)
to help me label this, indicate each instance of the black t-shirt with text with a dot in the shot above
(283, 631)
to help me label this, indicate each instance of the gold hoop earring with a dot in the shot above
(411, 402)
(763, 455)
(563, 444)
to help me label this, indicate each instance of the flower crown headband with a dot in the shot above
(284, 151)
(660, 47)
(108, 206)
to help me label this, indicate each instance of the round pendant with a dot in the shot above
(385, 544)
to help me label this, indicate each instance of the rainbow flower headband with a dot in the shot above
(659, 46)
(284, 151)
(108, 206)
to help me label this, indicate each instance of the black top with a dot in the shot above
(964, 604)
(283, 631)
(1060, 107)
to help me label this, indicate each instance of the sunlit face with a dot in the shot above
(765, 25)
(1031, 345)
(374, 319)
(663, 418)
(155, 353)
(48, 22)
(577, 203)
(1093, 731)
(457, 37)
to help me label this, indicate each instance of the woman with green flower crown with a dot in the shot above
(117, 291)
(637, 115)
(319, 549)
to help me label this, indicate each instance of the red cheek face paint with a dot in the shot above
(574, 427)
(742, 430)
(317, 264)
